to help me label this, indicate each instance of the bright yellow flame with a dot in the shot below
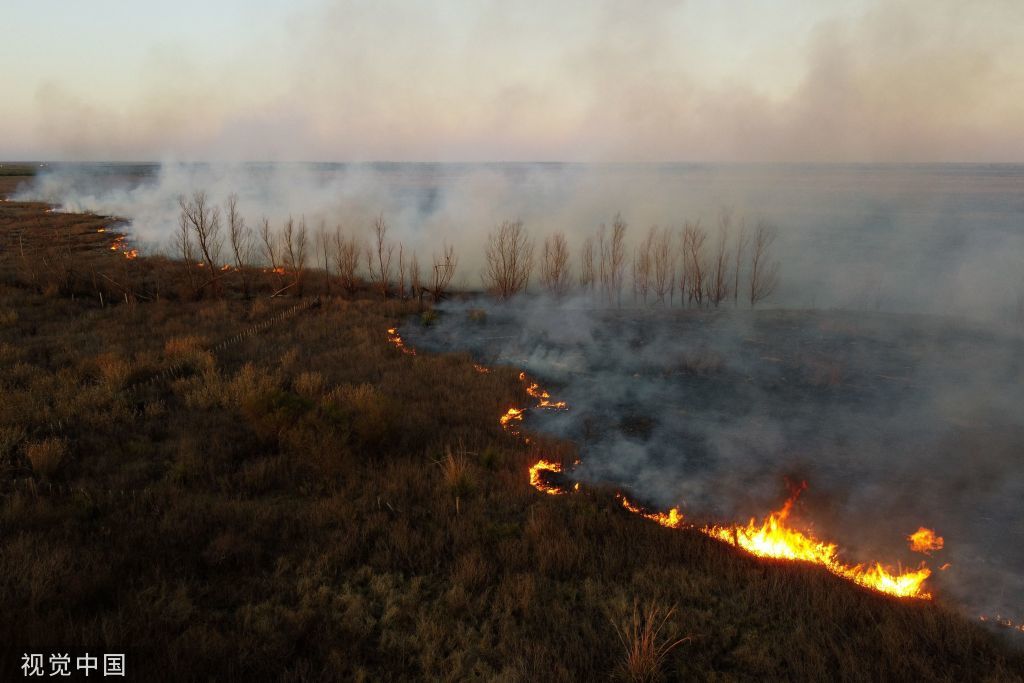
(538, 483)
(925, 541)
(396, 339)
(672, 519)
(773, 538)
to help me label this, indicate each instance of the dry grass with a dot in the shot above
(46, 456)
(646, 644)
(275, 512)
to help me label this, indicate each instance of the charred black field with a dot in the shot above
(254, 487)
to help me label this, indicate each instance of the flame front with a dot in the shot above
(925, 541)
(774, 538)
(537, 482)
(672, 519)
(396, 339)
(119, 245)
(771, 538)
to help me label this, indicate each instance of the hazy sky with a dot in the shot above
(605, 80)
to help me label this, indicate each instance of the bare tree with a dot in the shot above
(587, 275)
(204, 221)
(718, 284)
(695, 271)
(415, 277)
(742, 241)
(269, 244)
(186, 249)
(554, 267)
(443, 272)
(612, 259)
(642, 262)
(346, 260)
(764, 274)
(664, 265)
(401, 270)
(378, 256)
(618, 257)
(241, 239)
(295, 245)
(322, 243)
(509, 259)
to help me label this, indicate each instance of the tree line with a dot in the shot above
(691, 265)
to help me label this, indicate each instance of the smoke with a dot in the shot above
(919, 80)
(893, 421)
(918, 239)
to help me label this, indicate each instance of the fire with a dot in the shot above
(1004, 622)
(672, 519)
(101, 229)
(481, 369)
(511, 417)
(925, 541)
(773, 537)
(226, 266)
(119, 245)
(396, 339)
(538, 483)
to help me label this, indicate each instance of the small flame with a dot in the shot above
(672, 519)
(1004, 622)
(481, 369)
(537, 482)
(396, 339)
(101, 229)
(925, 541)
(119, 245)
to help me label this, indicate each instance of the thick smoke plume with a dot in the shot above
(892, 421)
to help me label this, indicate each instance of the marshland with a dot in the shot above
(283, 457)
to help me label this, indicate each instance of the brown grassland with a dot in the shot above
(310, 503)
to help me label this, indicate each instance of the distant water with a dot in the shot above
(923, 238)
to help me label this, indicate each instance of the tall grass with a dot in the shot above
(645, 643)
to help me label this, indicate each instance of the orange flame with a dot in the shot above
(1004, 622)
(672, 519)
(396, 339)
(772, 538)
(481, 369)
(537, 482)
(119, 245)
(925, 541)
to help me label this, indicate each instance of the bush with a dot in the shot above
(46, 456)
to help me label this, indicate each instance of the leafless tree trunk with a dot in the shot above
(443, 272)
(204, 221)
(401, 270)
(694, 238)
(346, 260)
(612, 254)
(509, 259)
(415, 277)
(323, 250)
(295, 243)
(718, 287)
(378, 257)
(742, 241)
(186, 249)
(587, 264)
(554, 268)
(241, 239)
(642, 262)
(764, 274)
(664, 265)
